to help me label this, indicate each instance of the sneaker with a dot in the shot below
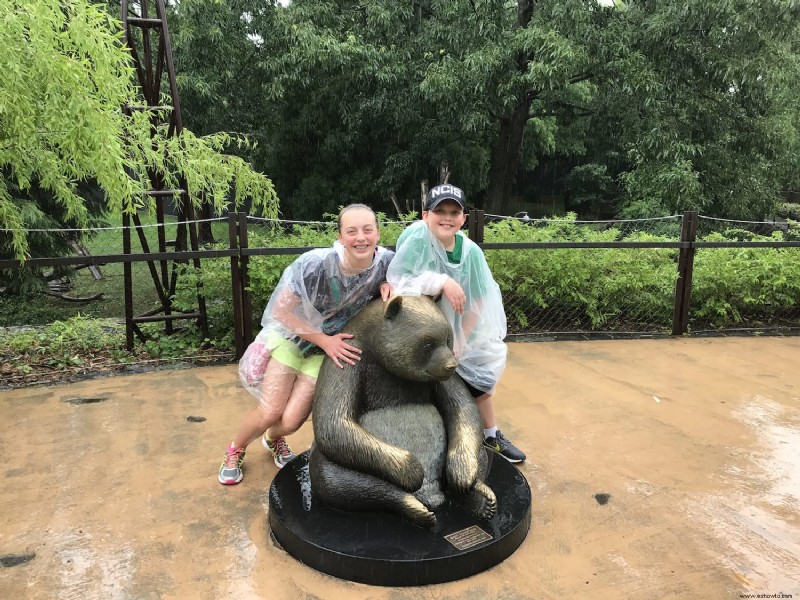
(230, 471)
(500, 445)
(281, 452)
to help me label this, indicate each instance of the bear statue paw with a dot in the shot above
(482, 501)
(417, 513)
(462, 472)
(409, 474)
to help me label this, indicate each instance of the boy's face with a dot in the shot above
(445, 220)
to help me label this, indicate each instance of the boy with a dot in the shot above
(432, 257)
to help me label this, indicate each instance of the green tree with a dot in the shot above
(645, 107)
(65, 78)
(702, 99)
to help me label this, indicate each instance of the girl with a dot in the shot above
(316, 295)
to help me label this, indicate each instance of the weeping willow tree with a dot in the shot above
(65, 75)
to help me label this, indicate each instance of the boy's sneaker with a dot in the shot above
(281, 452)
(500, 445)
(230, 471)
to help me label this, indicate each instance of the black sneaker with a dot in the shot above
(500, 445)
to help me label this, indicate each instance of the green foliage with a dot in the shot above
(594, 287)
(731, 285)
(697, 98)
(42, 212)
(789, 210)
(602, 289)
(62, 344)
(186, 343)
(77, 332)
(80, 345)
(588, 286)
(638, 108)
(65, 81)
(66, 78)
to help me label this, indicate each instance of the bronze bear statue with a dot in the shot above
(399, 430)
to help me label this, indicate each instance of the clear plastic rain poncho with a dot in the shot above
(317, 293)
(421, 267)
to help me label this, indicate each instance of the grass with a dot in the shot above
(80, 347)
(43, 309)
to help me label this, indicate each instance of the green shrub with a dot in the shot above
(731, 285)
(587, 287)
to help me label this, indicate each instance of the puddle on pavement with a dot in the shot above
(756, 522)
(779, 434)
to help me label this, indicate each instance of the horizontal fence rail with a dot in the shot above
(682, 274)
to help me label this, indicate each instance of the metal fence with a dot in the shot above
(663, 276)
(559, 277)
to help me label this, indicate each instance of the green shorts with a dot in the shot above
(286, 353)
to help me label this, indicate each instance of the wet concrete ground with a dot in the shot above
(659, 469)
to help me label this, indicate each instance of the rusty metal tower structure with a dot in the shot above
(147, 36)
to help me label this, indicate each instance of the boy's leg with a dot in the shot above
(493, 437)
(486, 408)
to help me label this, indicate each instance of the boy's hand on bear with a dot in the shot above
(338, 349)
(386, 291)
(455, 295)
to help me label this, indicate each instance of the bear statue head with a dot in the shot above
(413, 340)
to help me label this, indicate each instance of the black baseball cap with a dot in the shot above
(443, 192)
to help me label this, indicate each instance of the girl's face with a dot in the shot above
(359, 235)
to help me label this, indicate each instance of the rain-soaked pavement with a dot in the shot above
(658, 468)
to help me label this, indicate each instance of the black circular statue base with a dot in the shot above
(383, 548)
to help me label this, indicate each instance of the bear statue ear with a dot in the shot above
(392, 307)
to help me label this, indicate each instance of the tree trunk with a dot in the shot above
(505, 155)
(205, 234)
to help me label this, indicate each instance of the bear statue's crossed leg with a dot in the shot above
(419, 429)
(481, 500)
(346, 489)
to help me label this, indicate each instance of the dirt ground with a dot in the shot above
(110, 490)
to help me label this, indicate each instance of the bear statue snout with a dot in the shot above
(443, 366)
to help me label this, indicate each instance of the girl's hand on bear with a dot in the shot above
(455, 295)
(338, 349)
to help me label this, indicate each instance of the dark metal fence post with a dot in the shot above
(683, 286)
(247, 299)
(475, 223)
(127, 270)
(236, 287)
